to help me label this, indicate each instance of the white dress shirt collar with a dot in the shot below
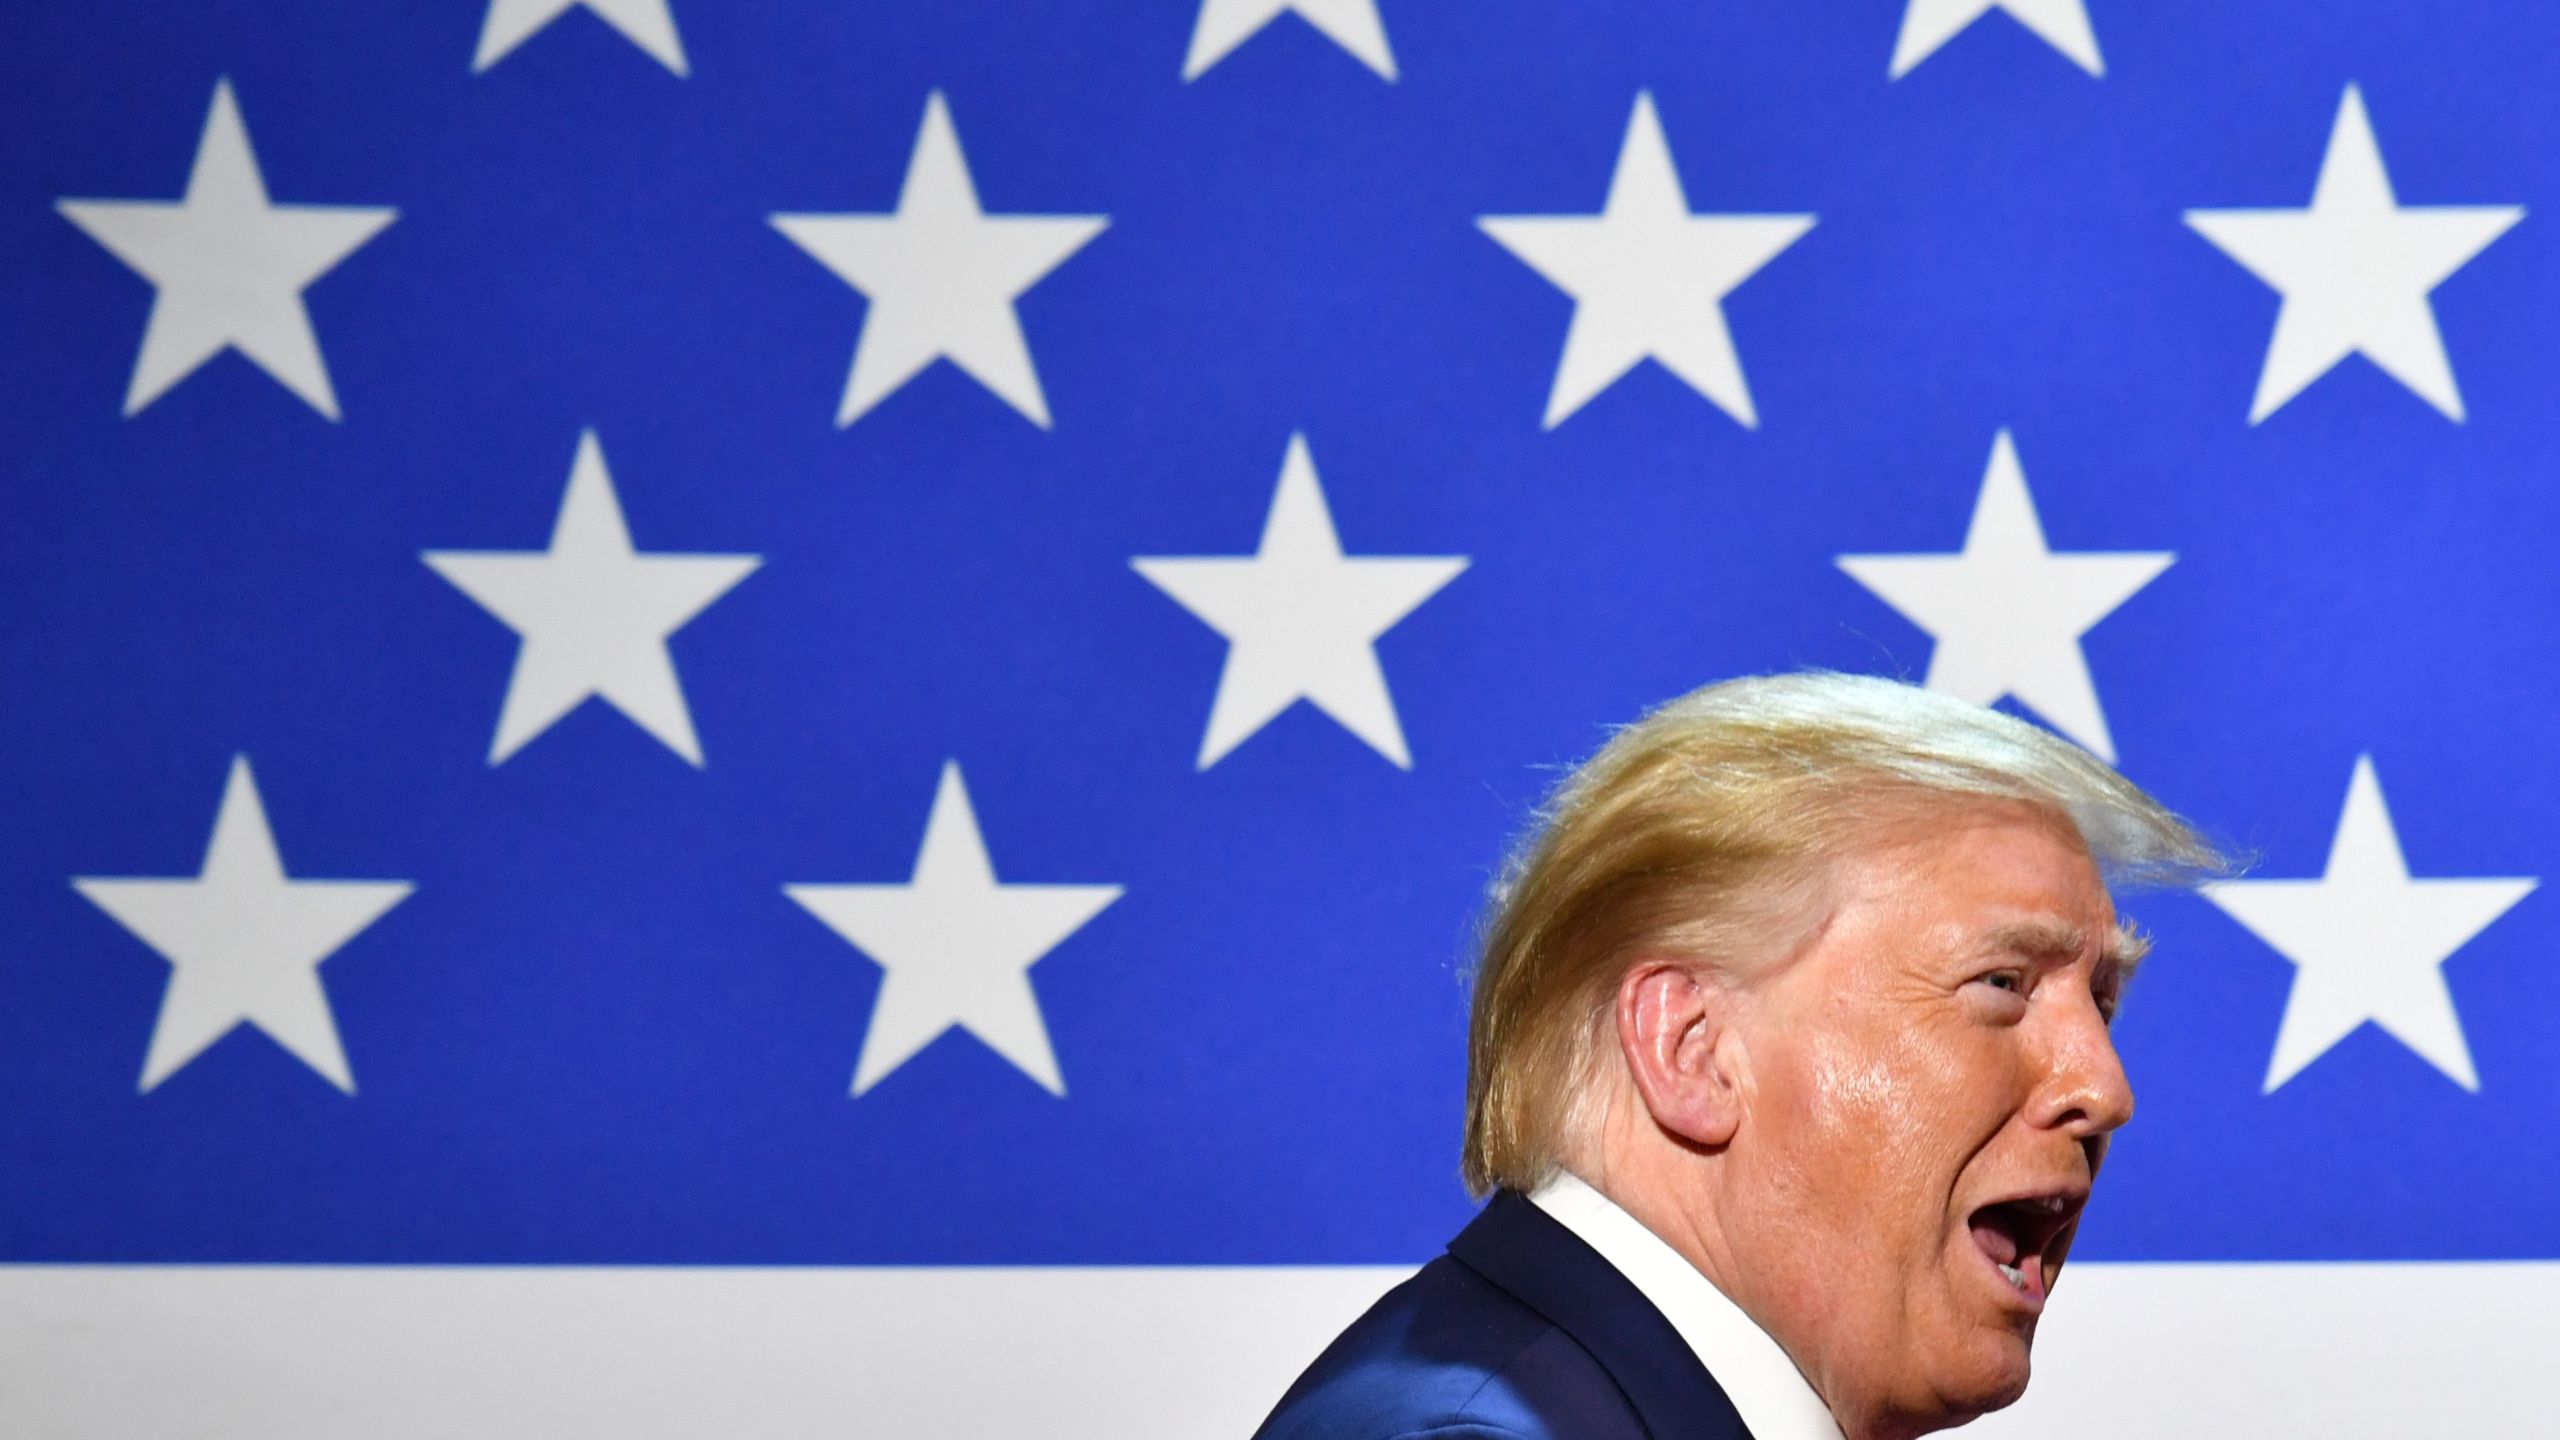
(1764, 1385)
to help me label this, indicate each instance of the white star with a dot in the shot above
(2007, 612)
(594, 613)
(230, 268)
(1301, 618)
(244, 944)
(941, 276)
(2355, 269)
(956, 946)
(1226, 24)
(644, 23)
(1648, 277)
(1928, 24)
(2368, 942)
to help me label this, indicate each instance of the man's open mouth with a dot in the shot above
(2015, 1234)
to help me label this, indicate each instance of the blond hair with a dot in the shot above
(1695, 830)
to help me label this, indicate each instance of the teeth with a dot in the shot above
(2013, 1275)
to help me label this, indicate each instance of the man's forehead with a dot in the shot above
(1995, 877)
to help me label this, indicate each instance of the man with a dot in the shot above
(1789, 1070)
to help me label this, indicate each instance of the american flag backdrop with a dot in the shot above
(785, 718)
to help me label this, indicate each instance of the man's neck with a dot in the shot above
(1642, 1187)
(1756, 1373)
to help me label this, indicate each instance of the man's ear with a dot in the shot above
(1675, 1028)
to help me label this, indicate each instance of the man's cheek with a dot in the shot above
(1853, 1075)
(1869, 1113)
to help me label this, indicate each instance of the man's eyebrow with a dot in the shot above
(2038, 939)
(2128, 945)
(2053, 940)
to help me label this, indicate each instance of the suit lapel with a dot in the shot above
(1539, 1262)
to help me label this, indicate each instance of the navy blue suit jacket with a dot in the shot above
(1520, 1332)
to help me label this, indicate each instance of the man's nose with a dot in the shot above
(2085, 1091)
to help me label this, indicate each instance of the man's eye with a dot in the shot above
(2009, 980)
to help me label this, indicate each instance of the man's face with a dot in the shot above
(1931, 1086)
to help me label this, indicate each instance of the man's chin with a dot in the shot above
(1994, 1376)
(1984, 1370)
